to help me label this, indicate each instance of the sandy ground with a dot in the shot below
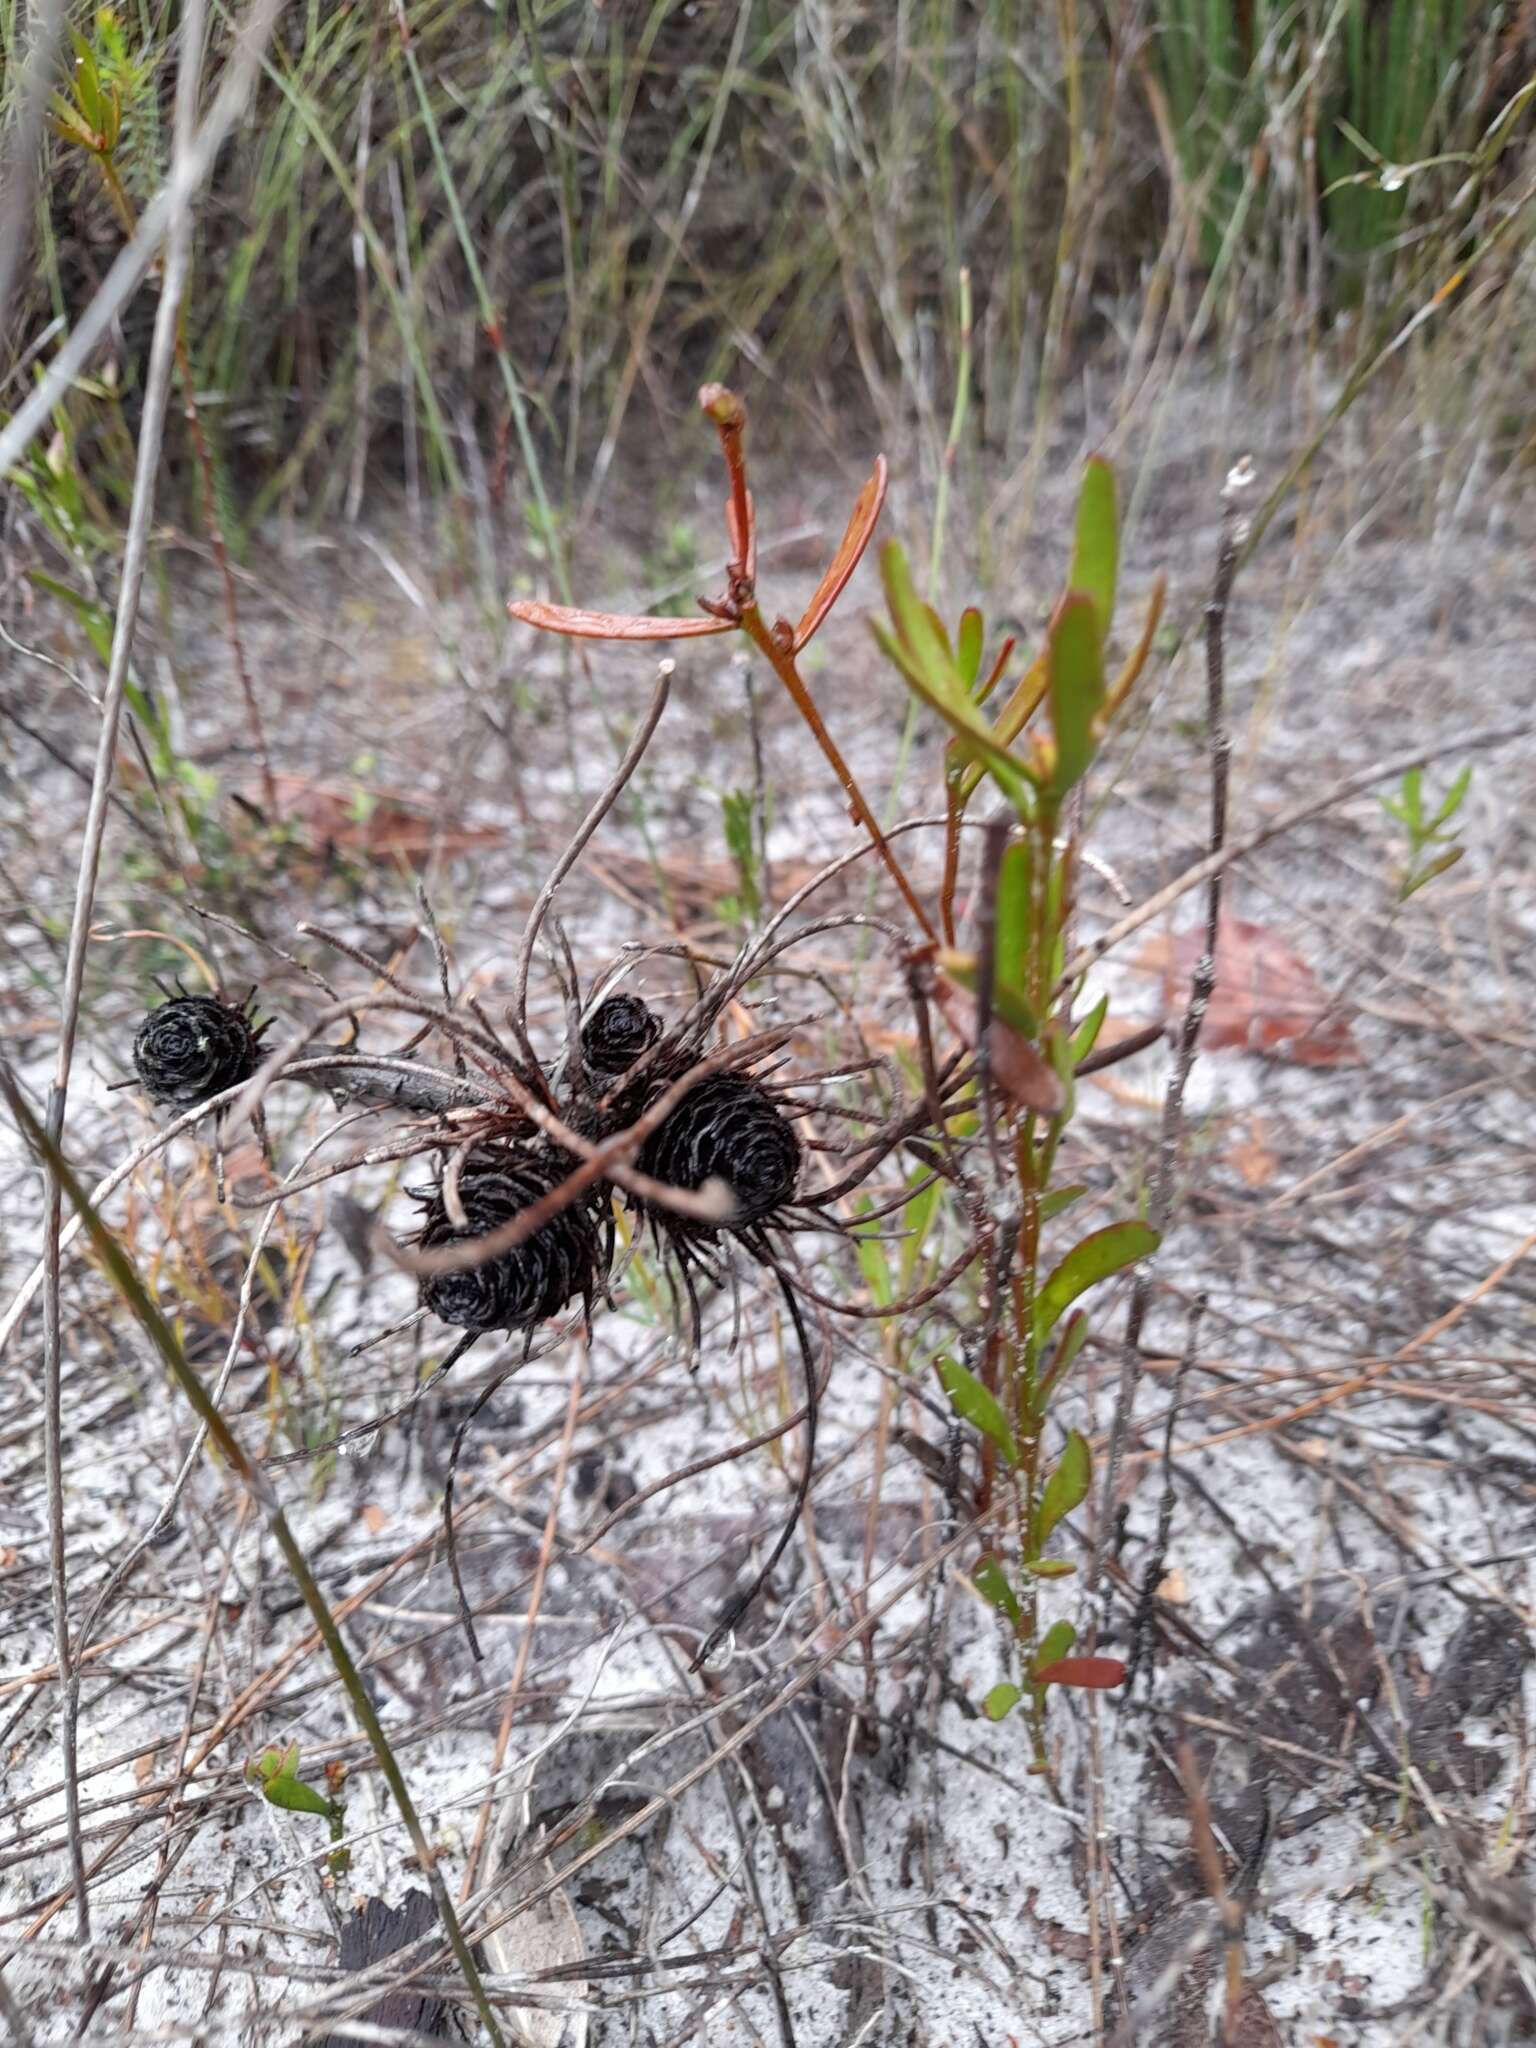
(820, 1840)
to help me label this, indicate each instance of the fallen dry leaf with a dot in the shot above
(1267, 998)
(1253, 1158)
(1174, 1588)
(374, 1518)
(1019, 1068)
(372, 825)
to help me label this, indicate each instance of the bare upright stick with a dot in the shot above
(157, 393)
(1234, 532)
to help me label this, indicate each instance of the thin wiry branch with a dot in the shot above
(633, 754)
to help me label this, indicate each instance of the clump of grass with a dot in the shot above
(452, 247)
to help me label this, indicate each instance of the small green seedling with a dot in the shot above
(1032, 739)
(1432, 848)
(276, 1774)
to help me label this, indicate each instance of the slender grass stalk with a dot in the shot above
(511, 383)
(260, 1490)
(140, 518)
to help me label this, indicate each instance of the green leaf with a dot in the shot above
(918, 1217)
(1086, 1036)
(1075, 689)
(737, 817)
(1054, 1644)
(95, 620)
(1050, 1568)
(275, 1771)
(968, 646)
(1013, 917)
(1066, 1489)
(295, 1796)
(876, 1268)
(978, 1406)
(1453, 799)
(1093, 1259)
(1007, 1000)
(1413, 807)
(917, 626)
(1001, 1701)
(1073, 1338)
(1059, 1199)
(991, 1582)
(973, 736)
(1438, 866)
(1096, 554)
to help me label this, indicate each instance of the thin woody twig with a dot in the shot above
(1203, 982)
(1385, 770)
(1157, 1560)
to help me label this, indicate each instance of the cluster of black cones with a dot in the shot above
(726, 1133)
(727, 1129)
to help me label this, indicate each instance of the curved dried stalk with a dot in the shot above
(633, 755)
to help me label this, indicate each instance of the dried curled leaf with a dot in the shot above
(856, 538)
(1020, 1069)
(579, 625)
(1267, 999)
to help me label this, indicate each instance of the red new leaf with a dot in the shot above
(580, 625)
(1092, 1674)
(856, 538)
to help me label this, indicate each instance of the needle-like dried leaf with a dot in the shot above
(856, 538)
(580, 625)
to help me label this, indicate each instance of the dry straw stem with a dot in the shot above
(18, 168)
(261, 1494)
(135, 554)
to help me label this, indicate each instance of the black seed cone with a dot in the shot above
(619, 1030)
(193, 1047)
(727, 1128)
(521, 1287)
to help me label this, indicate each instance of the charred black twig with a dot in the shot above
(1157, 1560)
(739, 1603)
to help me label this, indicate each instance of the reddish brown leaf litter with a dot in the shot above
(1267, 999)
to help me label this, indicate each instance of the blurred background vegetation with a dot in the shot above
(444, 213)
